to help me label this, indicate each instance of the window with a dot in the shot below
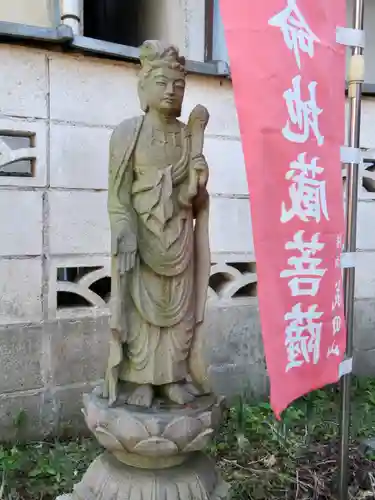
(82, 287)
(368, 179)
(126, 22)
(112, 20)
(16, 155)
(219, 46)
(233, 280)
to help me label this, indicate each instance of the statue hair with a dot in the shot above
(155, 54)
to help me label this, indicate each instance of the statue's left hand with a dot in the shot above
(198, 175)
(199, 164)
(200, 201)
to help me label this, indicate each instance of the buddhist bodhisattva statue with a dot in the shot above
(159, 208)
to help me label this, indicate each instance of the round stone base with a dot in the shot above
(109, 479)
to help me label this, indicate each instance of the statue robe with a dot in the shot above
(156, 306)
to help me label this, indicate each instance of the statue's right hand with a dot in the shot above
(127, 247)
(127, 261)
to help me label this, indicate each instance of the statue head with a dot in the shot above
(161, 84)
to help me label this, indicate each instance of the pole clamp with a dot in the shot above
(350, 37)
(350, 154)
(348, 260)
(345, 367)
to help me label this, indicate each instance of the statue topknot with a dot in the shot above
(154, 54)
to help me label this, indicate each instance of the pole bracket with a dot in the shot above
(350, 154)
(345, 367)
(348, 260)
(350, 37)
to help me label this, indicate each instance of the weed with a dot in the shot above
(262, 458)
(44, 470)
(296, 458)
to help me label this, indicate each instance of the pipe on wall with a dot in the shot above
(70, 14)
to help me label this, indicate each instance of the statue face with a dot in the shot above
(164, 91)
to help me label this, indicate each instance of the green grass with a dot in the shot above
(43, 470)
(261, 457)
(297, 457)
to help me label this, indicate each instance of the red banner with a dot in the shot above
(288, 76)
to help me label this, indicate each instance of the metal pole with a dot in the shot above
(354, 94)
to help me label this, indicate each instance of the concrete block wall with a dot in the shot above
(54, 262)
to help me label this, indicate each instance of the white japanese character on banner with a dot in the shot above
(339, 246)
(304, 268)
(297, 34)
(337, 300)
(302, 114)
(334, 350)
(307, 194)
(302, 336)
(336, 325)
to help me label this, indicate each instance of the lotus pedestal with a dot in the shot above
(153, 454)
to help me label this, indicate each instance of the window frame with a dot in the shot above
(208, 30)
(54, 11)
(38, 132)
(210, 45)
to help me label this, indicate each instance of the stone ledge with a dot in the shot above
(17, 31)
(64, 35)
(127, 53)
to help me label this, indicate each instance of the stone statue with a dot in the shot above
(151, 415)
(158, 207)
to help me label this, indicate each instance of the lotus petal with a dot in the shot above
(107, 440)
(182, 430)
(156, 447)
(200, 441)
(153, 426)
(94, 413)
(129, 430)
(91, 418)
(206, 418)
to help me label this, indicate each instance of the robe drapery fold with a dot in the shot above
(156, 306)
